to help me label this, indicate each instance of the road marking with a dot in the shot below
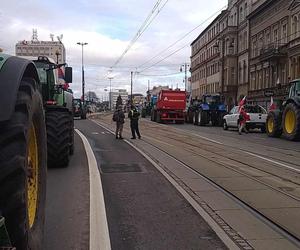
(99, 234)
(275, 162)
(95, 133)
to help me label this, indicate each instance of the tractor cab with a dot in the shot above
(54, 79)
(294, 91)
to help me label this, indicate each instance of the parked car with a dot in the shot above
(257, 113)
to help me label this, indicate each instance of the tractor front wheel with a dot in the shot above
(291, 122)
(273, 124)
(58, 137)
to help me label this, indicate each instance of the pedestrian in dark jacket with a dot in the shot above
(133, 115)
(119, 118)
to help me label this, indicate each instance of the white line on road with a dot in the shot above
(275, 162)
(99, 234)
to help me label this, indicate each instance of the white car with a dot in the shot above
(257, 113)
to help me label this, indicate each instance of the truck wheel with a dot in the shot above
(23, 168)
(190, 117)
(273, 125)
(58, 138)
(291, 122)
(158, 117)
(195, 118)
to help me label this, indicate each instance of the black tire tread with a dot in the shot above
(295, 136)
(58, 138)
(277, 131)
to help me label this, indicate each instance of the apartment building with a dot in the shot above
(274, 49)
(205, 61)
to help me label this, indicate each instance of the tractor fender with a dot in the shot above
(293, 100)
(13, 70)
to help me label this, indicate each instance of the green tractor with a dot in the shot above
(37, 129)
(286, 119)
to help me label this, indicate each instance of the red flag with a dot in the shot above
(61, 74)
(242, 103)
(272, 104)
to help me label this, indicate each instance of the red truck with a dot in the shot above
(170, 106)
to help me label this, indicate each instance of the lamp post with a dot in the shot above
(83, 83)
(57, 55)
(110, 94)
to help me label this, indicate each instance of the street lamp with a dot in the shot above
(110, 94)
(57, 55)
(82, 44)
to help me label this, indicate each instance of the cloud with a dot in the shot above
(108, 27)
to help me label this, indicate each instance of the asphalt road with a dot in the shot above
(144, 211)
(67, 204)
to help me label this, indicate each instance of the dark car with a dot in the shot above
(79, 109)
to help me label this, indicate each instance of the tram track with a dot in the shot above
(211, 153)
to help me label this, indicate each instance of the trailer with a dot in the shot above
(169, 107)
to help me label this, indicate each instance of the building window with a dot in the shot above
(294, 27)
(284, 33)
(241, 14)
(246, 9)
(275, 36)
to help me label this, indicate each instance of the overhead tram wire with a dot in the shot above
(174, 52)
(184, 36)
(143, 28)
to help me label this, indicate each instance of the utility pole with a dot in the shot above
(185, 65)
(110, 94)
(131, 99)
(83, 83)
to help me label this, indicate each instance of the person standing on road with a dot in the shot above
(243, 118)
(133, 115)
(119, 118)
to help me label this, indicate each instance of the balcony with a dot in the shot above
(272, 52)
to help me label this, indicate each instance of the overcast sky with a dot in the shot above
(108, 27)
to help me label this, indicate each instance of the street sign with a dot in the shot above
(268, 93)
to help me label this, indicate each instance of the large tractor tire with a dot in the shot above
(72, 135)
(58, 138)
(202, 118)
(291, 122)
(220, 118)
(273, 124)
(23, 168)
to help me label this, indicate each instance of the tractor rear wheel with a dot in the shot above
(72, 135)
(202, 118)
(23, 168)
(58, 137)
(273, 124)
(291, 122)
